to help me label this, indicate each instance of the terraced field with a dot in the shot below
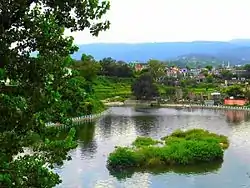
(108, 87)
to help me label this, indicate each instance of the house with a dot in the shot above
(172, 71)
(200, 78)
(195, 72)
(137, 66)
(184, 71)
(237, 102)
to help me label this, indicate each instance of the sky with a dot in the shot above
(136, 21)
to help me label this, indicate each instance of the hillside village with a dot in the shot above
(209, 80)
(230, 74)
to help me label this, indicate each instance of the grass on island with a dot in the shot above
(145, 141)
(180, 148)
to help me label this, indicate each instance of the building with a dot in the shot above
(233, 102)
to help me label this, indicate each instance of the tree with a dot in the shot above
(107, 65)
(2, 74)
(247, 94)
(234, 91)
(209, 67)
(204, 72)
(170, 91)
(209, 79)
(247, 67)
(226, 74)
(111, 67)
(156, 68)
(38, 26)
(87, 67)
(144, 88)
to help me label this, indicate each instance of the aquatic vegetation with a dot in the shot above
(197, 135)
(181, 148)
(201, 168)
(145, 141)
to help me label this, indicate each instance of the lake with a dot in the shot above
(87, 169)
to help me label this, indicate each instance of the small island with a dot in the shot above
(191, 147)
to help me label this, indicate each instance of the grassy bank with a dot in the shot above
(180, 148)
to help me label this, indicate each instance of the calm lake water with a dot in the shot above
(87, 169)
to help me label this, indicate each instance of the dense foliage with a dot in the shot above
(144, 87)
(111, 67)
(180, 148)
(44, 90)
(144, 141)
(234, 91)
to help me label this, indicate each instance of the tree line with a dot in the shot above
(90, 68)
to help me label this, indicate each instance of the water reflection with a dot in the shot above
(113, 125)
(185, 170)
(106, 122)
(237, 116)
(124, 124)
(85, 135)
(144, 125)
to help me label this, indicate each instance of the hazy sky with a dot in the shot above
(173, 20)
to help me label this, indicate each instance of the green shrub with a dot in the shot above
(123, 158)
(144, 141)
(155, 161)
(181, 148)
(198, 135)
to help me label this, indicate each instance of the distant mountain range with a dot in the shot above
(236, 51)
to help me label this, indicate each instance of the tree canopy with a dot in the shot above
(144, 88)
(28, 26)
(156, 69)
(234, 91)
(111, 67)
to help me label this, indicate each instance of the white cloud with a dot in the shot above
(173, 20)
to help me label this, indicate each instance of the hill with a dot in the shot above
(197, 60)
(240, 42)
(235, 51)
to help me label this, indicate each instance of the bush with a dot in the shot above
(144, 141)
(198, 135)
(122, 158)
(181, 148)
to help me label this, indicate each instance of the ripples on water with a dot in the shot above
(87, 168)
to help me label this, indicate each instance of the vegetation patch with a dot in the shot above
(195, 146)
(145, 141)
(108, 87)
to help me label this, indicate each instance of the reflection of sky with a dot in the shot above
(139, 180)
(88, 167)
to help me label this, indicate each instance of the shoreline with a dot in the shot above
(93, 117)
(184, 106)
(79, 120)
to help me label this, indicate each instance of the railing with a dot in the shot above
(135, 102)
(79, 120)
(207, 106)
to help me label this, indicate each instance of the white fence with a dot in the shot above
(79, 120)
(206, 106)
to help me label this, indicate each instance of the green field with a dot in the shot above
(203, 90)
(108, 87)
